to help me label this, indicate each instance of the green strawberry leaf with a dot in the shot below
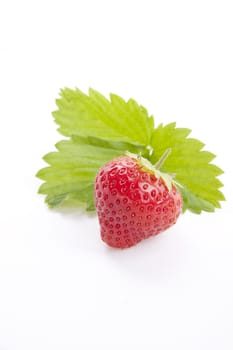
(193, 202)
(100, 129)
(72, 169)
(94, 115)
(195, 174)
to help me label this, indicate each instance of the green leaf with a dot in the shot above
(72, 169)
(196, 176)
(194, 203)
(94, 115)
(100, 129)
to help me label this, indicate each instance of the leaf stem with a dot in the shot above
(161, 161)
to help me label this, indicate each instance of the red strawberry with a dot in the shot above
(134, 201)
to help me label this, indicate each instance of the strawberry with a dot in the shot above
(134, 201)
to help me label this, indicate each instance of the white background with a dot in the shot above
(60, 286)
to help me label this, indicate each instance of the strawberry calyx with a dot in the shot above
(146, 165)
